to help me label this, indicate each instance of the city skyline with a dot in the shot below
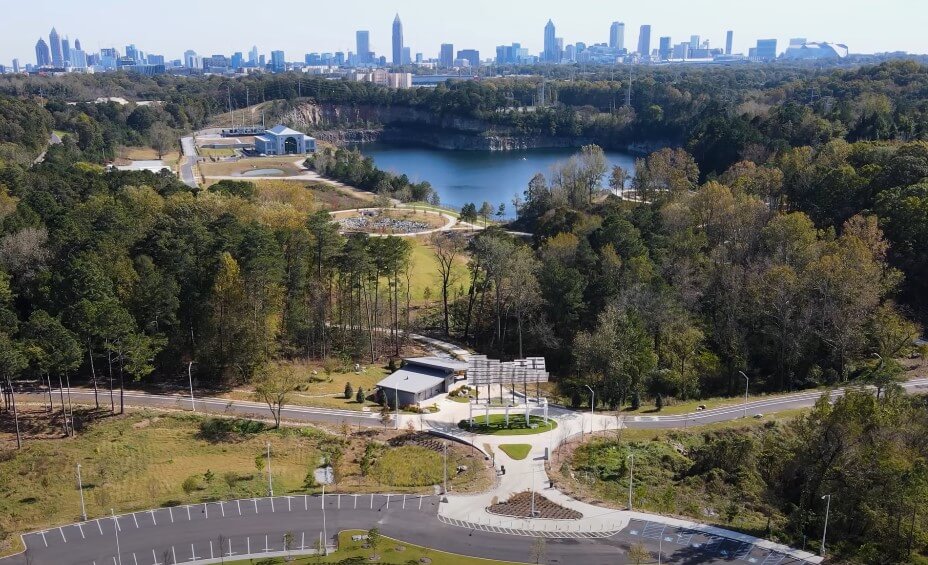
(424, 33)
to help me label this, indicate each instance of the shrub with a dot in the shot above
(360, 397)
(190, 485)
(349, 392)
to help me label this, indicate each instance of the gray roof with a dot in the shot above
(413, 379)
(439, 363)
(281, 129)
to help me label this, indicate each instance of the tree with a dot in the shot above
(638, 553)
(273, 386)
(162, 138)
(659, 402)
(12, 362)
(385, 415)
(486, 210)
(360, 396)
(349, 392)
(469, 213)
(447, 247)
(618, 178)
(373, 539)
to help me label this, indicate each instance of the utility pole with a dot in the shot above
(270, 483)
(631, 478)
(747, 382)
(80, 488)
(825, 529)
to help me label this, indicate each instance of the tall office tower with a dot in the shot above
(407, 55)
(729, 37)
(278, 62)
(397, 41)
(132, 52)
(253, 55)
(15, 65)
(42, 56)
(77, 44)
(65, 51)
(550, 53)
(665, 50)
(237, 60)
(644, 41)
(446, 55)
(766, 49)
(54, 43)
(694, 42)
(363, 39)
(617, 35)
(190, 59)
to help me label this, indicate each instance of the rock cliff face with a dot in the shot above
(342, 124)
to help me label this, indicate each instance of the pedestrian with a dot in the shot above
(502, 469)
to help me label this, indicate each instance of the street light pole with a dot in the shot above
(193, 403)
(116, 529)
(80, 488)
(631, 478)
(396, 407)
(747, 382)
(825, 529)
(270, 483)
(592, 406)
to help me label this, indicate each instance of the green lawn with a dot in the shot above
(516, 427)
(394, 552)
(517, 451)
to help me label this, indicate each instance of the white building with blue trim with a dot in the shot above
(281, 140)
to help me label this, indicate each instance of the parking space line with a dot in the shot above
(43, 538)
(420, 502)
(171, 512)
(256, 505)
(388, 502)
(136, 520)
(155, 557)
(305, 502)
(247, 545)
(231, 553)
(372, 501)
(62, 535)
(134, 560)
(239, 504)
(211, 549)
(205, 511)
(153, 519)
(222, 509)
(302, 541)
(118, 527)
(193, 554)
(266, 548)
(173, 555)
(339, 501)
(81, 528)
(355, 502)
(99, 526)
(188, 513)
(289, 508)
(272, 504)
(404, 502)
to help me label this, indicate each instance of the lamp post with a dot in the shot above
(396, 408)
(825, 529)
(193, 404)
(592, 406)
(747, 382)
(631, 478)
(270, 483)
(80, 488)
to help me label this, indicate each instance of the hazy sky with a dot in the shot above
(169, 27)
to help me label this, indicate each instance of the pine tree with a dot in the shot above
(349, 392)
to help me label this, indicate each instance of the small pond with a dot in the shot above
(262, 173)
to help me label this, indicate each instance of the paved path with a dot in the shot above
(188, 162)
(256, 528)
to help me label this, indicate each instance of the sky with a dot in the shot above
(169, 27)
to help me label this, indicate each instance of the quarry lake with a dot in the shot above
(460, 177)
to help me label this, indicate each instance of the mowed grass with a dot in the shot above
(224, 169)
(424, 274)
(389, 550)
(142, 460)
(517, 427)
(517, 451)
(148, 154)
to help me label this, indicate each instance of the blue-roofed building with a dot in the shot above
(281, 140)
(420, 379)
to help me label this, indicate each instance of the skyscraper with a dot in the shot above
(253, 56)
(550, 53)
(16, 65)
(446, 56)
(363, 40)
(644, 41)
(77, 44)
(766, 49)
(397, 41)
(278, 62)
(54, 43)
(42, 56)
(617, 35)
(694, 42)
(665, 50)
(729, 37)
(65, 51)
(407, 56)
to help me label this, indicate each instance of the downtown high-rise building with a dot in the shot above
(617, 35)
(54, 44)
(278, 61)
(550, 53)
(43, 56)
(65, 51)
(77, 44)
(665, 50)
(446, 55)
(644, 41)
(363, 41)
(397, 41)
(252, 56)
(729, 38)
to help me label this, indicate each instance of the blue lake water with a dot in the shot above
(460, 177)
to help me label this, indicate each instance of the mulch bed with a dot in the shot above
(520, 506)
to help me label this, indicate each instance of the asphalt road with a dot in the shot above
(256, 527)
(187, 174)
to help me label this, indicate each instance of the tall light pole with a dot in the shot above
(193, 403)
(747, 382)
(270, 483)
(825, 529)
(631, 478)
(396, 407)
(116, 529)
(592, 406)
(80, 489)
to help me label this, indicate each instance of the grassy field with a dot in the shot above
(216, 152)
(324, 196)
(224, 169)
(517, 427)
(424, 274)
(516, 451)
(147, 154)
(148, 459)
(389, 550)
